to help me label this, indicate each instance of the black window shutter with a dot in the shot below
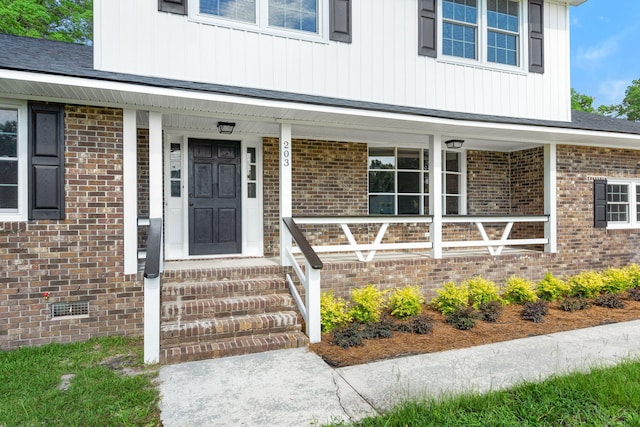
(600, 203)
(173, 6)
(536, 36)
(427, 28)
(340, 20)
(46, 161)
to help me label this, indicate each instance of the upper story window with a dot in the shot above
(296, 15)
(485, 30)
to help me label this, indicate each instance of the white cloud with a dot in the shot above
(612, 91)
(601, 51)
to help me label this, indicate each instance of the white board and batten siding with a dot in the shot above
(380, 65)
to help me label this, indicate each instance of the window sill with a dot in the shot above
(256, 29)
(452, 60)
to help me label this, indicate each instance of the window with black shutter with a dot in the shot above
(340, 20)
(427, 28)
(173, 6)
(46, 161)
(600, 203)
(536, 36)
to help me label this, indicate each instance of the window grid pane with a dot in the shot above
(618, 203)
(503, 22)
(638, 203)
(238, 10)
(398, 181)
(459, 28)
(8, 159)
(299, 15)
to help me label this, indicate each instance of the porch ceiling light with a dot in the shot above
(226, 127)
(454, 143)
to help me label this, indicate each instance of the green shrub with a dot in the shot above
(462, 318)
(586, 284)
(572, 304)
(481, 291)
(406, 302)
(551, 288)
(450, 298)
(367, 304)
(518, 291)
(633, 272)
(616, 280)
(535, 311)
(333, 312)
(490, 311)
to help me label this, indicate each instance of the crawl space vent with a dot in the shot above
(65, 309)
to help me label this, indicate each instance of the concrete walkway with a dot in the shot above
(296, 388)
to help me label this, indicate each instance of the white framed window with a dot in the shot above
(454, 182)
(399, 181)
(13, 161)
(623, 204)
(293, 18)
(486, 31)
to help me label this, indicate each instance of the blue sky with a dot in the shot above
(605, 48)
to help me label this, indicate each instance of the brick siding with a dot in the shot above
(79, 258)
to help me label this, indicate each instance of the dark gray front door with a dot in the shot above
(215, 219)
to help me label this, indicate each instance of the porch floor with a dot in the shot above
(194, 264)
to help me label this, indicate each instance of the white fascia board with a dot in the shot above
(537, 132)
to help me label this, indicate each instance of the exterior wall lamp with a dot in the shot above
(226, 128)
(454, 144)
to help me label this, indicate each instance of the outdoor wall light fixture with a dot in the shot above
(226, 127)
(454, 143)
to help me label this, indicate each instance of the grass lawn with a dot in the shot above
(603, 397)
(101, 382)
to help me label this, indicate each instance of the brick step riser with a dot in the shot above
(216, 308)
(193, 291)
(232, 327)
(233, 347)
(222, 274)
(247, 324)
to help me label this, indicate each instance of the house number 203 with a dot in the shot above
(286, 153)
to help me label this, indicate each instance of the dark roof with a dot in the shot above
(75, 60)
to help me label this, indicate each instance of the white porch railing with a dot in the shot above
(494, 247)
(376, 245)
(365, 252)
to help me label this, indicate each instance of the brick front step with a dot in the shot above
(175, 333)
(216, 313)
(223, 307)
(222, 289)
(232, 347)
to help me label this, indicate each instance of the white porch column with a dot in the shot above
(435, 194)
(130, 191)
(550, 196)
(286, 206)
(152, 286)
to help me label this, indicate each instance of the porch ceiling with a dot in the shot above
(194, 110)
